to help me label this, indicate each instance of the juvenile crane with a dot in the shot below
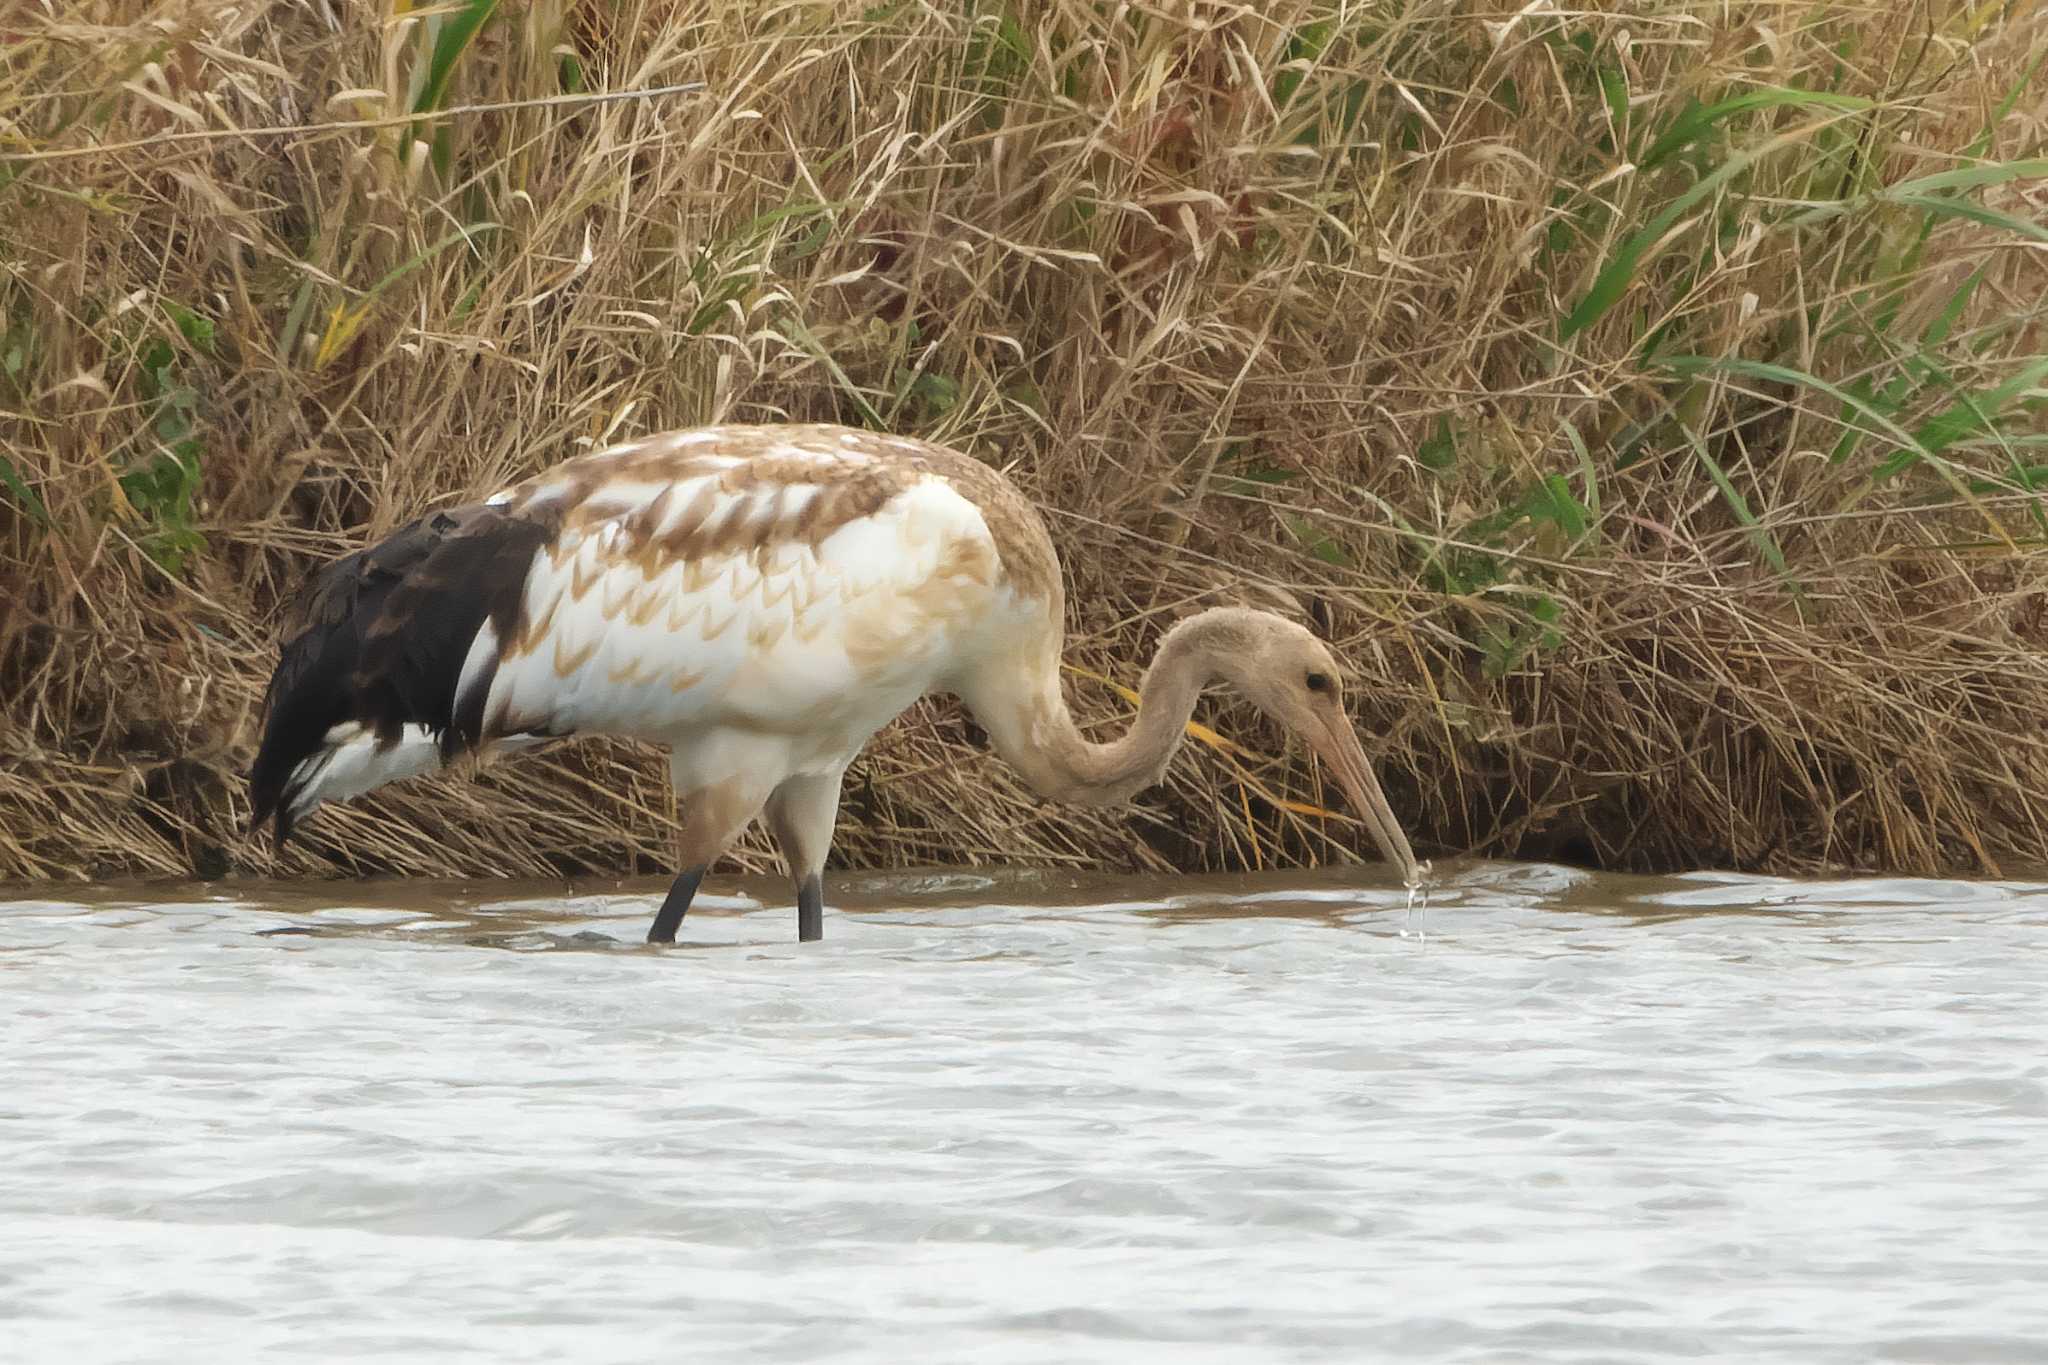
(761, 600)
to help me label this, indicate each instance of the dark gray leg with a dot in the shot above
(670, 917)
(810, 909)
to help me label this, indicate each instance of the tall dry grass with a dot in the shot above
(1649, 401)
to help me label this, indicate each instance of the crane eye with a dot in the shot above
(1320, 682)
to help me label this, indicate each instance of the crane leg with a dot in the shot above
(713, 817)
(810, 909)
(670, 917)
(801, 812)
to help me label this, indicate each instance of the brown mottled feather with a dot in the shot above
(381, 636)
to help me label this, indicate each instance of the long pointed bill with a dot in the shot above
(1340, 749)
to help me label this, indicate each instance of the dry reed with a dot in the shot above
(1648, 401)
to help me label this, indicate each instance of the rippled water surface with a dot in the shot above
(1030, 1118)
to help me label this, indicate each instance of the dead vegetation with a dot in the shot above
(1650, 402)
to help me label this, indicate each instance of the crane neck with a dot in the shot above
(1039, 737)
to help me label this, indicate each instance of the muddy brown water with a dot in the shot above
(1029, 1117)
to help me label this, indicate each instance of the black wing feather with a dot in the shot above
(379, 637)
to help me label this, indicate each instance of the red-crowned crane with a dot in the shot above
(760, 599)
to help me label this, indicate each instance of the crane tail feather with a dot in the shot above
(352, 761)
(366, 688)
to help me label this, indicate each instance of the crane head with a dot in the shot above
(1292, 676)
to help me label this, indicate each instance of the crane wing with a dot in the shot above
(796, 590)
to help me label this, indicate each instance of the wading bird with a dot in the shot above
(761, 600)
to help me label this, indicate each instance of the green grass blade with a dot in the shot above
(1919, 369)
(452, 34)
(1315, 541)
(1696, 123)
(1982, 142)
(346, 321)
(456, 31)
(1586, 468)
(793, 328)
(1969, 209)
(295, 319)
(1759, 534)
(1913, 450)
(1945, 321)
(1933, 194)
(1975, 413)
(400, 271)
(1614, 89)
(1970, 177)
(1613, 281)
(1785, 374)
(23, 494)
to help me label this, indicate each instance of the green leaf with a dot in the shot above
(157, 359)
(1945, 321)
(1025, 394)
(938, 392)
(347, 321)
(1315, 542)
(451, 33)
(196, 328)
(1935, 195)
(1889, 403)
(1303, 47)
(1915, 450)
(1505, 647)
(1246, 468)
(1503, 652)
(1440, 451)
(1614, 88)
(23, 494)
(1550, 499)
